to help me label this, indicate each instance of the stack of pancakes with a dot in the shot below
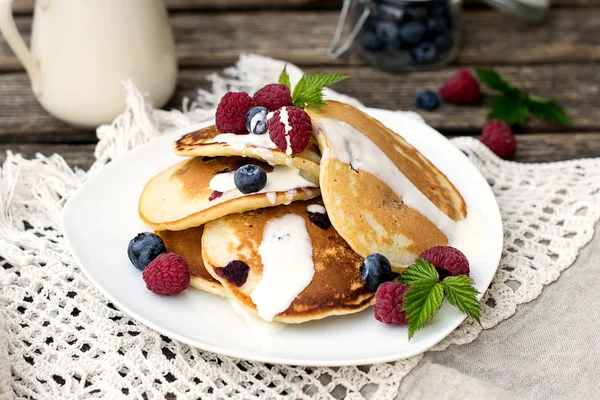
(212, 229)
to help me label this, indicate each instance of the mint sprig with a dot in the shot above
(284, 78)
(309, 89)
(513, 105)
(426, 293)
(420, 270)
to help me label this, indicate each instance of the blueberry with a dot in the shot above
(375, 270)
(427, 100)
(386, 31)
(424, 53)
(444, 42)
(437, 25)
(250, 179)
(144, 248)
(412, 32)
(256, 120)
(369, 41)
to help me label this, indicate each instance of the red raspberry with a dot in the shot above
(498, 137)
(462, 88)
(273, 96)
(389, 300)
(168, 274)
(231, 112)
(447, 260)
(290, 128)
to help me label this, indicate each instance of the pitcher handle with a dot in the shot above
(17, 44)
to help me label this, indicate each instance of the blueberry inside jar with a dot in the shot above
(408, 35)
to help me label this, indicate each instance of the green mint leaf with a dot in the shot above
(548, 110)
(509, 109)
(420, 270)
(462, 294)
(314, 97)
(284, 78)
(421, 302)
(494, 81)
(309, 90)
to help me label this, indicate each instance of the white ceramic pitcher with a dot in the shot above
(81, 51)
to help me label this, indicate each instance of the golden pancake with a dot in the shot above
(382, 195)
(188, 244)
(203, 143)
(180, 197)
(336, 288)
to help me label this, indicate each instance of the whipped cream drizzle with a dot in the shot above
(285, 120)
(255, 323)
(281, 179)
(316, 208)
(239, 142)
(288, 268)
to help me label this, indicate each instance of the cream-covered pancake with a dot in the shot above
(200, 189)
(188, 244)
(209, 142)
(382, 195)
(285, 265)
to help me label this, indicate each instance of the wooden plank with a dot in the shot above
(531, 148)
(216, 39)
(575, 86)
(26, 6)
(76, 155)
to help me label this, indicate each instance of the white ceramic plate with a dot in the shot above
(101, 218)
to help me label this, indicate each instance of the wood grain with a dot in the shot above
(575, 86)
(26, 6)
(531, 148)
(216, 39)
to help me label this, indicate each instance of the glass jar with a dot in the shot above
(409, 35)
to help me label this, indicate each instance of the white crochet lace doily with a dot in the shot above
(61, 339)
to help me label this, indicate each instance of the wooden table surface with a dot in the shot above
(557, 58)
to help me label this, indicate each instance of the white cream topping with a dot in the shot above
(316, 208)
(285, 120)
(239, 142)
(255, 323)
(281, 179)
(350, 146)
(272, 197)
(288, 268)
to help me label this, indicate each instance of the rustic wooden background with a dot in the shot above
(556, 58)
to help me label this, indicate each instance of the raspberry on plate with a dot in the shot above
(389, 300)
(462, 89)
(499, 138)
(447, 260)
(231, 112)
(290, 128)
(273, 96)
(168, 274)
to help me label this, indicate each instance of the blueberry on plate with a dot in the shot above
(369, 41)
(144, 248)
(427, 100)
(256, 120)
(250, 179)
(444, 42)
(424, 53)
(375, 270)
(412, 32)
